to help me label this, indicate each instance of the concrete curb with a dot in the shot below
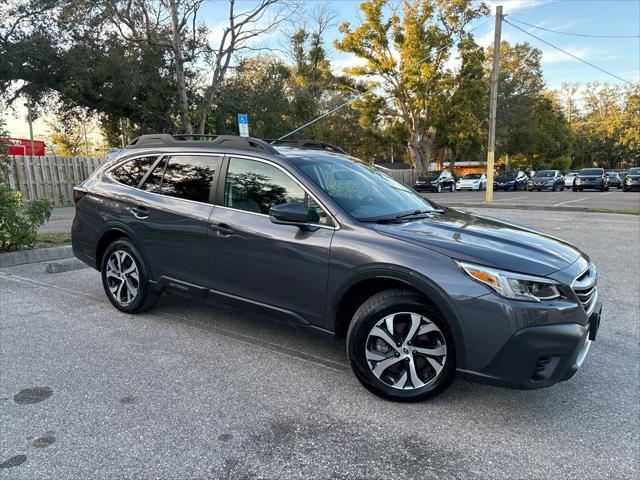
(36, 255)
(520, 207)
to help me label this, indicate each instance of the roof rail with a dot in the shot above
(201, 141)
(308, 144)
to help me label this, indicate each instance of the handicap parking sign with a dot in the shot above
(243, 124)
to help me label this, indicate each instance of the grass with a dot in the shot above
(610, 210)
(53, 239)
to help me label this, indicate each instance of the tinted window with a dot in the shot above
(257, 186)
(189, 177)
(634, 171)
(546, 173)
(591, 171)
(131, 172)
(153, 181)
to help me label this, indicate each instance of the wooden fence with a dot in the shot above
(408, 177)
(52, 178)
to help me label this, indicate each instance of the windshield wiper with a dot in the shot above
(415, 213)
(404, 216)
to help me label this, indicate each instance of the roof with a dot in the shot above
(227, 141)
(394, 166)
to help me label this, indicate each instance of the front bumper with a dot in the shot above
(593, 184)
(540, 356)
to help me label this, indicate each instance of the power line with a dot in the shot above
(360, 95)
(574, 34)
(568, 53)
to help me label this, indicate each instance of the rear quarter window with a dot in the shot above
(131, 172)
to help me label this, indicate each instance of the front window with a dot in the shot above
(255, 187)
(634, 171)
(363, 191)
(545, 173)
(591, 171)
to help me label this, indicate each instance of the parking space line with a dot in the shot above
(511, 198)
(237, 336)
(571, 201)
(605, 193)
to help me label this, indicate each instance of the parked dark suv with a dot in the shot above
(334, 245)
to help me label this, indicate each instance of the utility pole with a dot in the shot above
(491, 150)
(27, 163)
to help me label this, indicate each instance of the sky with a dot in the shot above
(619, 56)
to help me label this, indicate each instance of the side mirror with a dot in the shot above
(290, 214)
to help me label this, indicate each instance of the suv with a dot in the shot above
(436, 181)
(551, 179)
(334, 245)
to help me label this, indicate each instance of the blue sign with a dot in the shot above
(243, 124)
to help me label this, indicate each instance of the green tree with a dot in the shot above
(520, 84)
(408, 50)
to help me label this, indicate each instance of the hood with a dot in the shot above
(469, 180)
(503, 178)
(486, 241)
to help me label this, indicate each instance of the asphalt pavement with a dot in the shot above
(611, 200)
(191, 391)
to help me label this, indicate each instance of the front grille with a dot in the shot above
(585, 289)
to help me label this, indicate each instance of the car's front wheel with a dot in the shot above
(400, 347)
(452, 188)
(125, 278)
(439, 188)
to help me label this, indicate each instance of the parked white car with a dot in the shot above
(569, 177)
(472, 181)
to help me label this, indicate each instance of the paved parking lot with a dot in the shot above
(612, 200)
(193, 391)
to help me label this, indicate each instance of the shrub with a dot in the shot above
(18, 223)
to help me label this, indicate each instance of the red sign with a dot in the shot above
(22, 146)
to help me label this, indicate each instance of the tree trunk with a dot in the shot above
(181, 82)
(452, 162)
(417, 152)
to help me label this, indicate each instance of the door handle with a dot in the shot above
(222, 229)
(140, 212)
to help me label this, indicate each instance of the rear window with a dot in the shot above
(130, 173)
(189, 177)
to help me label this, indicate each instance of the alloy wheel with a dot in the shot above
(406, 351)
(123, 277)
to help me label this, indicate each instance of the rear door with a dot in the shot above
(281, 267)
(170, 217)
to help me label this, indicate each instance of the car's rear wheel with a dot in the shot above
(439, 188)
(400, 348)
(125, 278)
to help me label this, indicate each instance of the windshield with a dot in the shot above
(509, 175)
(545, 173)
(430, 175)
(472, 176)
(612, 174)
(570, 174)
(591, 171)
(363, 191)
(634, 171)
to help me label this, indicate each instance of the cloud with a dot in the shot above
(513, 5)
(556, 56)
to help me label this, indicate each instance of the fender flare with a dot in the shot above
(419, 282)
(117, 226)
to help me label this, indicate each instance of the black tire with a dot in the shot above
(575, 189)
(145, 297)
(439, 188)
(452, 188)
(516, 187)
(373, 311)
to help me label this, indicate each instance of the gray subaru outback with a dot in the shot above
(304, 233)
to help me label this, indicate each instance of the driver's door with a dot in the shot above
(280, 267)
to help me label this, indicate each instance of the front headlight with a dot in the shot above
(513, 285)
